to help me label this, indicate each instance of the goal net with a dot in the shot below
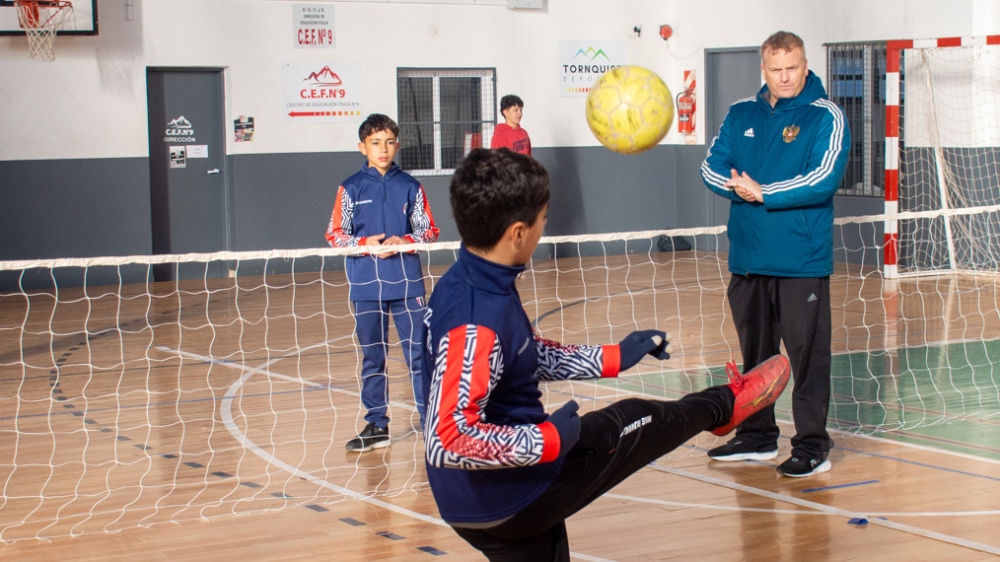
(126, 402)
(946, 94)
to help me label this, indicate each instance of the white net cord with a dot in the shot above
(41, 21)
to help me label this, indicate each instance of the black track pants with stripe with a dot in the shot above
(615, 442)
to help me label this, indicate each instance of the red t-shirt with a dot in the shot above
(505, 136)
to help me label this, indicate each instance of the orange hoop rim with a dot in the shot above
(29, 12)
(44, 3)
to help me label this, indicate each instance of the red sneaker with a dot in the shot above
(755, 390)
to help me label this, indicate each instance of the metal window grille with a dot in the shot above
(856, 82)
(443, 114)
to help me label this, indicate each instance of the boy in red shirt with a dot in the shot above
(510, 134)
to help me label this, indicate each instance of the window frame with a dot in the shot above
(488, 110)
(866, 165)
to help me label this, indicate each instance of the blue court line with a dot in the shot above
(904, 436)
(920, 464)
(834, 487)
(390, 535)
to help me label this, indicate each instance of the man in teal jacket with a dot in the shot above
(779, 157)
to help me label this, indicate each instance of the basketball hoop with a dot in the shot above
(40, 20)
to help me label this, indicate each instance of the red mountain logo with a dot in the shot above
(325, 77)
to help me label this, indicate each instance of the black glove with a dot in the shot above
(567, 423)
(641, 343)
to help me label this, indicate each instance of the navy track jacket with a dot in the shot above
(490, 450)
(369, 204)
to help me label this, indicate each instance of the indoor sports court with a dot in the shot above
(179, 370)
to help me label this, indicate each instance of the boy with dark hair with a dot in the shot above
(382, 205)
(510, 134)
(504, 473)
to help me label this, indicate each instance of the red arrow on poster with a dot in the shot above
(322, 113)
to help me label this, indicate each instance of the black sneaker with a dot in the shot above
(371, 437)
(737, 450)
(798, 467)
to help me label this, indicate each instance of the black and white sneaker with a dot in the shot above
(371, 437)
(798, 467)
(737, 450)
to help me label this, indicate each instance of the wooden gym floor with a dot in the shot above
(194, 425)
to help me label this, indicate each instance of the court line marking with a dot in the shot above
(616, 393)
(262, 370)
(894, 458)
(226, 409)
(916, 446)
(839, 486)
(918, 463)
(269, 373)
(828, 510)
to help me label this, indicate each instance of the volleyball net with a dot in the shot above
(232, 387)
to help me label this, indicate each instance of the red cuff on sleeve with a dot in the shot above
(612, 361)
(410, 240)
(550, 438)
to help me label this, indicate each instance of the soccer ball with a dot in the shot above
(629, 109)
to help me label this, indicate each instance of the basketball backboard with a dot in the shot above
(83, 21)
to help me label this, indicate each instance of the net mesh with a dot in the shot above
(41, 21)
(949, 147)
(127, 402)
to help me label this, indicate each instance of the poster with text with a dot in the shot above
(243, 127)
(581, 63)
(322, 92)
(312, 26)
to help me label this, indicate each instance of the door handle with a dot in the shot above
(213, 171)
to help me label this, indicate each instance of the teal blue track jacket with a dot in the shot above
(797, 151)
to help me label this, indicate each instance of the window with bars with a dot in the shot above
(856, 82)
(442, 115)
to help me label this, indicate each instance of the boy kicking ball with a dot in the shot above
(505, 474)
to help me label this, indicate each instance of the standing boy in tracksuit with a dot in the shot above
(381, 205)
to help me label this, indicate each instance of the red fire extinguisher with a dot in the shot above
(685, 112)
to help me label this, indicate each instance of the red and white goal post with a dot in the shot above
(942, 178)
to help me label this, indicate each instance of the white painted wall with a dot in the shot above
(91, 102)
